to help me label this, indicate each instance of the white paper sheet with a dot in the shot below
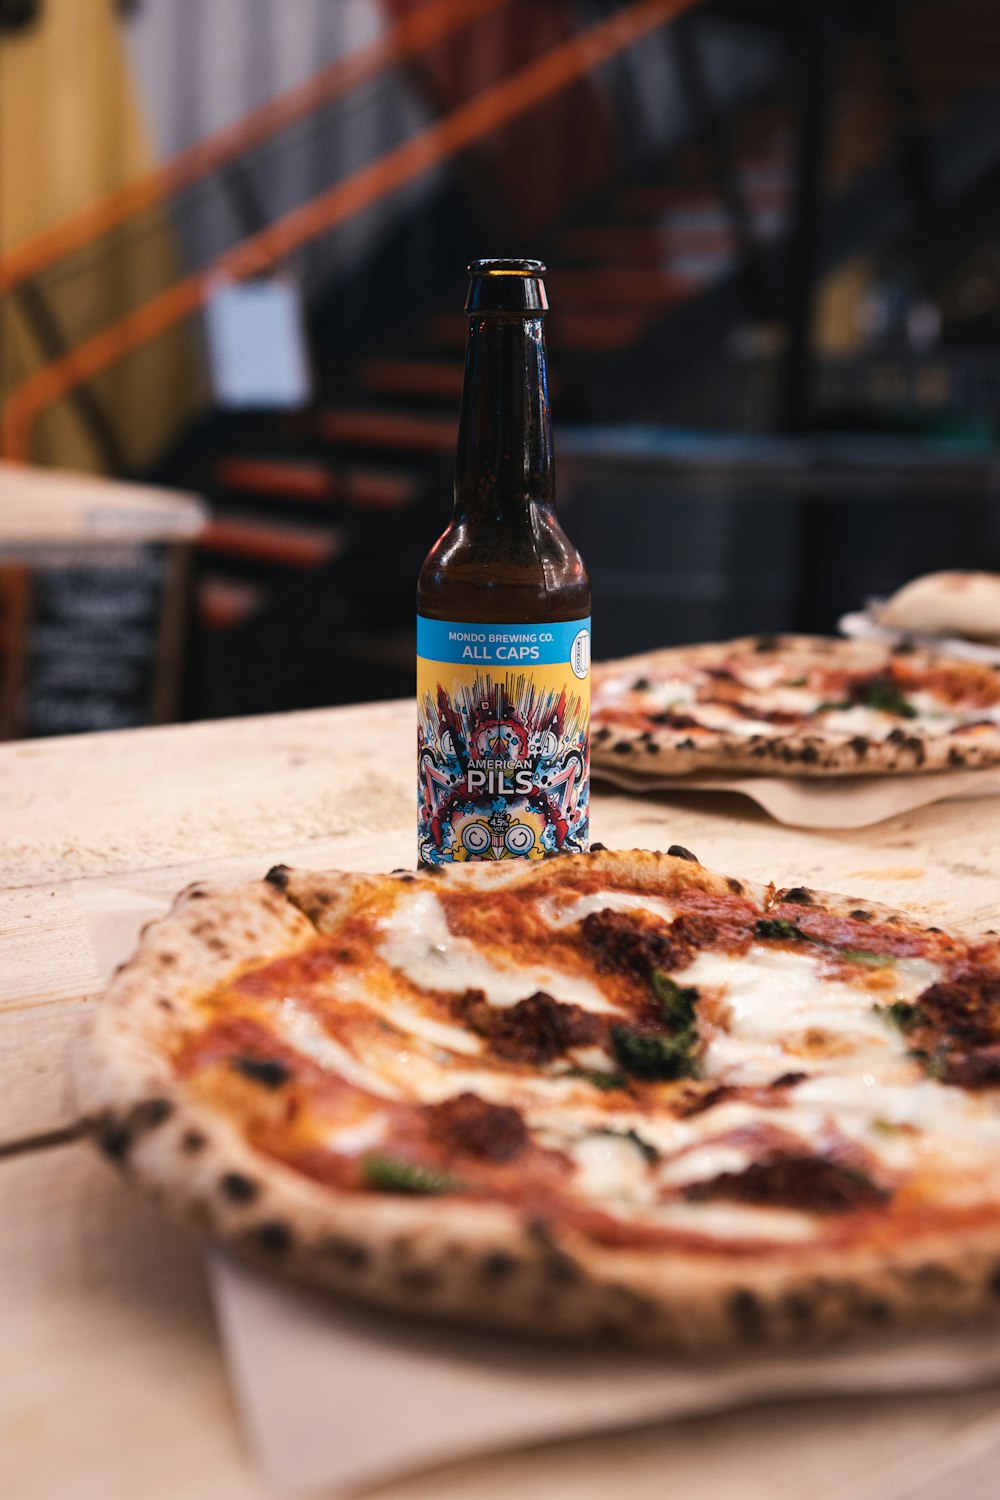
(338, 1395)
(811, 802)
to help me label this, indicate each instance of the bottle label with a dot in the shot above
(503, 739)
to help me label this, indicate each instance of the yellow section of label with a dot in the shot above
(503, 760)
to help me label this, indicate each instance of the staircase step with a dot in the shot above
(620, 287)
(601, 328)
(306, 481)
(366, 428)
(617, 243)
(446, 330)
(224, 603)
(413, 377)
(281, 543)
(659, 247)
(261, 476)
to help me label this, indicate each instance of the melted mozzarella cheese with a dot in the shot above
(901, 1121)
(612, 1166)
(351, 1140)
(764, 677)
(411, 1020)
(737, 1221)
(704, 1162)
(667, 693)
(298, 1027)
(565, 914)
(419, 945)
(780, 1009)
(721, 716)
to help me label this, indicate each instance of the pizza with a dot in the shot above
(611, 1094)
(794, 705)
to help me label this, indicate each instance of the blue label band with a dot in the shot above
(566, 641)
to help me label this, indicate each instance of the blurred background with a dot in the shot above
(233, 236)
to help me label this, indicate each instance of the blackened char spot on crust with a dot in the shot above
(193, 1141)
(598, 848)
(811, 1184)
(150, 1113)
(117, 1136)
(475, 1127)
(747, 1314)
(264, 1070)
(623, 747)
(678, 851)
(498, 1265)
(560, 1267)
(736, 886)
(238, 1187)
(873, 1310)
(799, 896)
(860, 915)
(621, 945)
(668, 720)
(418, 1278)
(114, 1140)
(535, 1030)
(799, 1309)
(273, 1237)
(859, 744)
(351, 1254)
(787, 1080)
(279, 876)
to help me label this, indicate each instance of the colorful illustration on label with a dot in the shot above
(503, 740)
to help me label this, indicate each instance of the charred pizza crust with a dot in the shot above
(648, 742)
(480, 1262)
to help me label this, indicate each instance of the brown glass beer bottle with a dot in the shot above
(503, 609)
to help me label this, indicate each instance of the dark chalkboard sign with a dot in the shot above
(93, 644)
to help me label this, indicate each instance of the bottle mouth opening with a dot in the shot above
(507, 267)
(511, 287)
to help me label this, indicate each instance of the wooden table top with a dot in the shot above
(112, 1384)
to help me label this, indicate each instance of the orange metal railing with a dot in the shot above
(471, 121)
(409, 36)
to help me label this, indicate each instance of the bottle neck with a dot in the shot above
(504, 466)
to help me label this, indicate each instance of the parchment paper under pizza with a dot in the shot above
(610, 1095)
(794, 706)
